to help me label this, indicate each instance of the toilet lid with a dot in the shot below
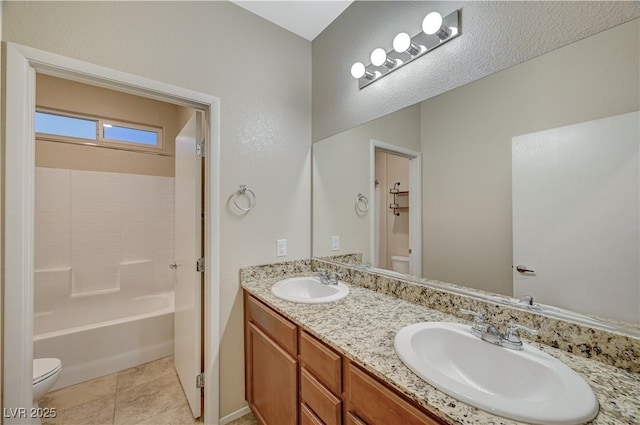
(44, 368)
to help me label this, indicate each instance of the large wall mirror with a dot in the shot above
(443, 189)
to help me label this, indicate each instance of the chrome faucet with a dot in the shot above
(328, 278)
(526, 300)
(489, 332)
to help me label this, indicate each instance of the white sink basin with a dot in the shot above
(309, 290)
(528, 385)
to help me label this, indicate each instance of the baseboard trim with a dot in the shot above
(235, 415)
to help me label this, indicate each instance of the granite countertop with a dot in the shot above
(362, 328)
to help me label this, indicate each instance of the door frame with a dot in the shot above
(415, 202)
(21, 65)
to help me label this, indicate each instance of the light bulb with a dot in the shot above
(432, 23)
(358, 70)
(402, 43)
(378, 57)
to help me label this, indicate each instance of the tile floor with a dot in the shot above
(148, 394)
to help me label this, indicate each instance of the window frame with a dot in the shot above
(100, 140)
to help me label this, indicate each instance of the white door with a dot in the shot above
(188, 248)
(576, 216)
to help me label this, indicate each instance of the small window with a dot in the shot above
(61, 125)
(118, 133)
(57, 126)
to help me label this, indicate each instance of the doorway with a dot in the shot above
(22, 63)
(396, 229)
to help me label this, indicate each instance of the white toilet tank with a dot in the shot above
(400, 264)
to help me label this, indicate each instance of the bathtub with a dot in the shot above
(93, 341)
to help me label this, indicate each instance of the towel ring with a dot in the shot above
(244, 191)
(362, 203)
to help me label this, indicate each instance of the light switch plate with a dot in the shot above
(281, 250)
(335, 243)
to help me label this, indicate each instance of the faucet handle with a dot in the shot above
(322, 272)
(477, 317)
(511, 338)
(513, 328)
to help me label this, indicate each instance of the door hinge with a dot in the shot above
(200, 380)
(200, 265)
(200, 151)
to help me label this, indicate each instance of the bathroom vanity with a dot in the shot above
(335, 363)
(291, 374)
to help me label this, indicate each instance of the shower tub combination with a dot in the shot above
(105, 334)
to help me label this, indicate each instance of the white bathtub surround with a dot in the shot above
(103, 297)
(96, 226)
(114, 231)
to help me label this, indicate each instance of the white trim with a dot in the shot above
(415, 220)
(415, 202)
(235, 415)
(21, 66)
(19, 163)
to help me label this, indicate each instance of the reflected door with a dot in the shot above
(576, 208)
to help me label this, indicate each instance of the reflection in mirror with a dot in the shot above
(465, 140)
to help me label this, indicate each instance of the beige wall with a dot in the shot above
(341, 170)
(495, 35)
(70, 96)
(466, 147)
(262, 75)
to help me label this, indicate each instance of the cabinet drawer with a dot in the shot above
(378, 405)
(277, 327)
(319, 399)
(322, 362)
(307, 417)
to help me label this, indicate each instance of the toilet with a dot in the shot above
(400, 264)
(45, 374)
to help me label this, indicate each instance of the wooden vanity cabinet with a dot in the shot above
(271, 365)
(293, 378)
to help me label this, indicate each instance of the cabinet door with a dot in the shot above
(273, 375)
(352, 420)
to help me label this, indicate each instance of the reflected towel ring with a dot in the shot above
(244, 190)
(362, 203)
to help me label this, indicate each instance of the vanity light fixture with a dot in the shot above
(436, 31)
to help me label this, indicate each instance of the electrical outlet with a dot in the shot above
(281, 250)
(335, 243)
